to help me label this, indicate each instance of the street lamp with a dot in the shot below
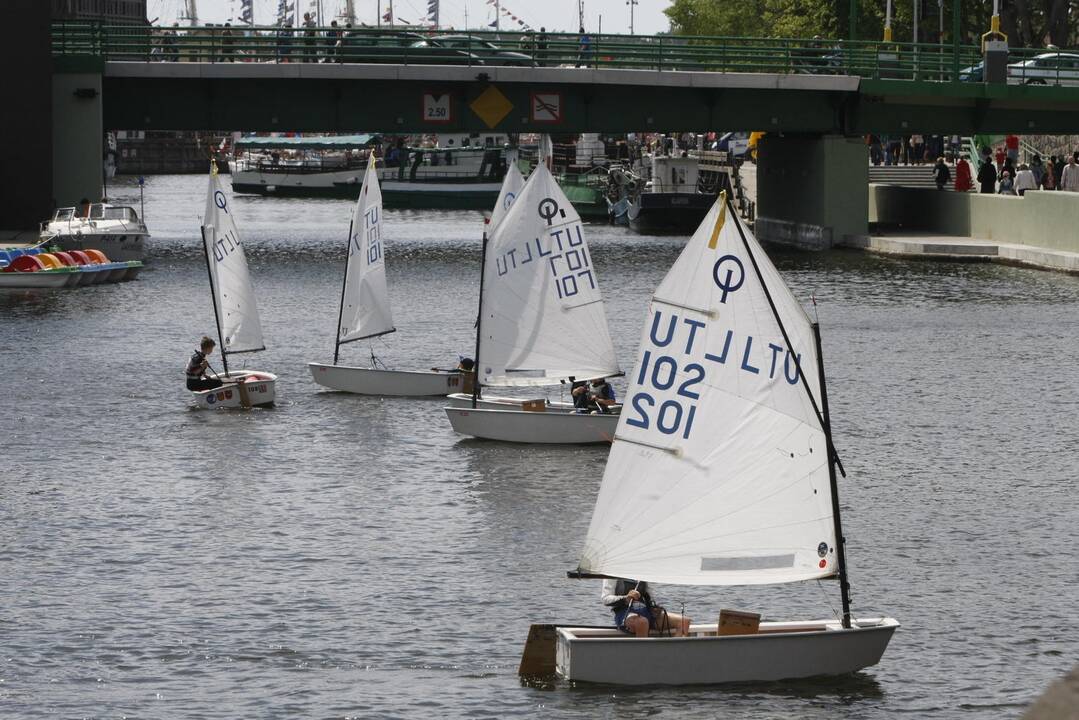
(632, 4)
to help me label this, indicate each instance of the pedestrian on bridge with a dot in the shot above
(1049, 178)
(1024, 180)
(310, 53)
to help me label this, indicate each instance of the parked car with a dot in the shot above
(492, 54)
(974, 73)
(1051, 68)
(401, 47)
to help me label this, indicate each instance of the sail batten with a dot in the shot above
(719, 471)
(230, 282)
(543, 318)
(365, 301)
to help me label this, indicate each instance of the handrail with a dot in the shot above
(406, 46)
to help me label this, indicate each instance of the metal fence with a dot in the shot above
(866, 59)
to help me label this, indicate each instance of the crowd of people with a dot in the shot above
(998, 170)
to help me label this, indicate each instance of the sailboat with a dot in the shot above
(365, 313)
(238, 326)
(541, 322)
(722, 472)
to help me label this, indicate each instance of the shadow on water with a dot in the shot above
(847, 689)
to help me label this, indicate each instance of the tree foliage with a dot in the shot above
(1028, 23)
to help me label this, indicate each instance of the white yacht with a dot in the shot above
(115, 230)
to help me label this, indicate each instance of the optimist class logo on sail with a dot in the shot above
(562, 248)
(675, 360)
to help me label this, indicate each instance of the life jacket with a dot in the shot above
(194, 365)
(623, 586)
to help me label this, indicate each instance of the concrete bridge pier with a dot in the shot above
(77, 136)
(811, 189)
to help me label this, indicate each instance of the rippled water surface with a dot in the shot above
(340, 556)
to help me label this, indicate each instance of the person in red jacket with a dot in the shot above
(1011, 142)
(964, 179)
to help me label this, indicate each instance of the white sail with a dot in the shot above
(719, 471)
(512, 184)
(365, 301)
(543, 317)
(237, 315)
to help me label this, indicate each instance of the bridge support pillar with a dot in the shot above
(811, 190)
(77, 137)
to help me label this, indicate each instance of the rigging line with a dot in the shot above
(786, 339)
(835, 613)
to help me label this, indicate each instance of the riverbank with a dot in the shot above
(930, 246)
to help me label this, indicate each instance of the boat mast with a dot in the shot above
(213, 297)
(479, 326)
(840, 541)
(341, 309)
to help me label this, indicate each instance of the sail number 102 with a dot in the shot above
(671, 416)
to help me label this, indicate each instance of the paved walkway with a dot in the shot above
(948, 247)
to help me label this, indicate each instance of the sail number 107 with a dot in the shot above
(672, 416)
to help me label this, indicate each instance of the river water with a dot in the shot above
(340, 556)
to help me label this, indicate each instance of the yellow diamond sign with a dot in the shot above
(491, 106)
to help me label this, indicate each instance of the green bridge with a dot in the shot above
(814, 98)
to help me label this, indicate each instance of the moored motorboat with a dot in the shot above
(115, 230)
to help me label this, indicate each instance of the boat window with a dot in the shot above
(64, 214)
(118, 213)
(97, 211)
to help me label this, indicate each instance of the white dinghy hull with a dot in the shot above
(781, 651)
(525, 426)
(386, 383)
(258, 385)
(498, 402)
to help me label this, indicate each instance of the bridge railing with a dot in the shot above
(217, 44)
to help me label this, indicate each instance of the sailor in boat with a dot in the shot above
(197, 366)
(465, 365)
(596, 399)
(636, 613)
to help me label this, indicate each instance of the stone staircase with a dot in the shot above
(917, 176)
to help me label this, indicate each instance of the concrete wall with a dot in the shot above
(26, 168)
(810, 189)
(77, 137)
(1042, 219)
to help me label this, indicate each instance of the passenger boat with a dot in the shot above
(239, 329)
(722, 472)
(461, 172)
(115, 230)
(365, 313)
(541, 322)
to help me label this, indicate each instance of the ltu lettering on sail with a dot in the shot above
(754, 362)
(225, 244)
(556, 243)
